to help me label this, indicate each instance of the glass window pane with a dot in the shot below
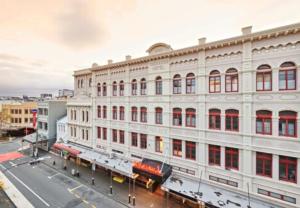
(258, 125)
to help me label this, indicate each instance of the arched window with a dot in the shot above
(115, 113)
(288, 123)
(134, 87)
(287, 76)
(264, 78)
(190, 83)
(99, 111)
(177, 117)
(158, 85)
(177, 84)
(143, 86)
(122, 113)
(214, 119)
(158, 115)
(90, 82)
(121, 88)
(144, 114)
(214, 81)
(231, 80)
(264, 122)
(78, 83)
(114, 88)
(190, 117)
(104, 112)
(99, 89)
(134, 113)
(104, 91)
(81, 83)
(232, 120)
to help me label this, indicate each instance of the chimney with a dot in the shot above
(247, 30)
(109, 61)
(201, 41)
(128, 57)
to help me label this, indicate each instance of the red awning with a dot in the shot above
(66, 148)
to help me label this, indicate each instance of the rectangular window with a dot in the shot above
(231, 158)
(190, 117)
(99, 111)
(158, 144)
(82, 133)
(264, 81)
(214, 157)
(214, 84)
(87, 134)
(277, 196)
(87, 116)
(288, 169)
(122, 113)
(158, 87)
(190, 150)
(122, 88)
(214, 121)
(158, 116)
(99, 132)
(83, 116)
(264, 164)
(104, 112)
(115, 135)
(122, 136)
(287, 126)
(264, 124)
(133, 114)
(104, 131)
(177, 148)
(232, 122)
(114, 113)
(115, 89)
(144, 115)
(143, 143)
(287, 79)
(134, 139)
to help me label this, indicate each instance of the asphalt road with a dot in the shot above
(45, 187)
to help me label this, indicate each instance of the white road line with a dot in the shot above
(73, 189)
(29, 189)
(53, 175)
(13, 164)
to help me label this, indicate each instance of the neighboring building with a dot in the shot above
(62, 130)
(65, 93)
(49, 112)
(226, 111)
(19, 115)
(46, 96)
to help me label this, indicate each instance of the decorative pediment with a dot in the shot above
(159, 48)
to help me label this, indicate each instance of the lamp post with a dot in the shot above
(129, 195)
(110, 188)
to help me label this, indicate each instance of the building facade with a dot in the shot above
(62, 130)
(225, 111)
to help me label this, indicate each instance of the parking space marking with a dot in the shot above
(53, 175)
(73, 189)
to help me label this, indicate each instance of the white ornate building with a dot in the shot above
(227, 110)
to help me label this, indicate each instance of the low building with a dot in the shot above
(65, 93)
(49, 112)
(62, 130)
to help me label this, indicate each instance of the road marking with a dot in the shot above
(74, 188)
(29, 189)
(53, 175)
(12, 164)
(85, 201)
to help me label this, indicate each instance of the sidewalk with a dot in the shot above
(14, 194)
(144, 198)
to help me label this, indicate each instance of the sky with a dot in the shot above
(43, 42)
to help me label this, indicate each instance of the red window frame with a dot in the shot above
(134, 114)
(122, 113)
(231, 153)
(114, 89)
(286, 119)
(286, 69)
(143, 116)
(134, 139)
(115, 113)
(121, 92)
(104, 133)
(214, 115)
(190, 150)
(231, 116)
(158, 86)
(99, 89)
(190, 117)
(158, 116)
(104, 91)
(287, 162)
(143, 141)
(158, 140)
(177, 147)
(214, 82)
(214, 153)
(99, 111)
(122, 136)
(143, 86)
(230, 78)
(98, 132)
(264, 71)
(266, 159)
(134, 87)
(114, 135)
(177, 84)
(177, 114)
(104, 111)
(190, 84)
(264, 118)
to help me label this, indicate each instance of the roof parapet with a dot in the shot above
(247, 30)
(201, 41)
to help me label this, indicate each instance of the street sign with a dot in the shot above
(33, 110)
